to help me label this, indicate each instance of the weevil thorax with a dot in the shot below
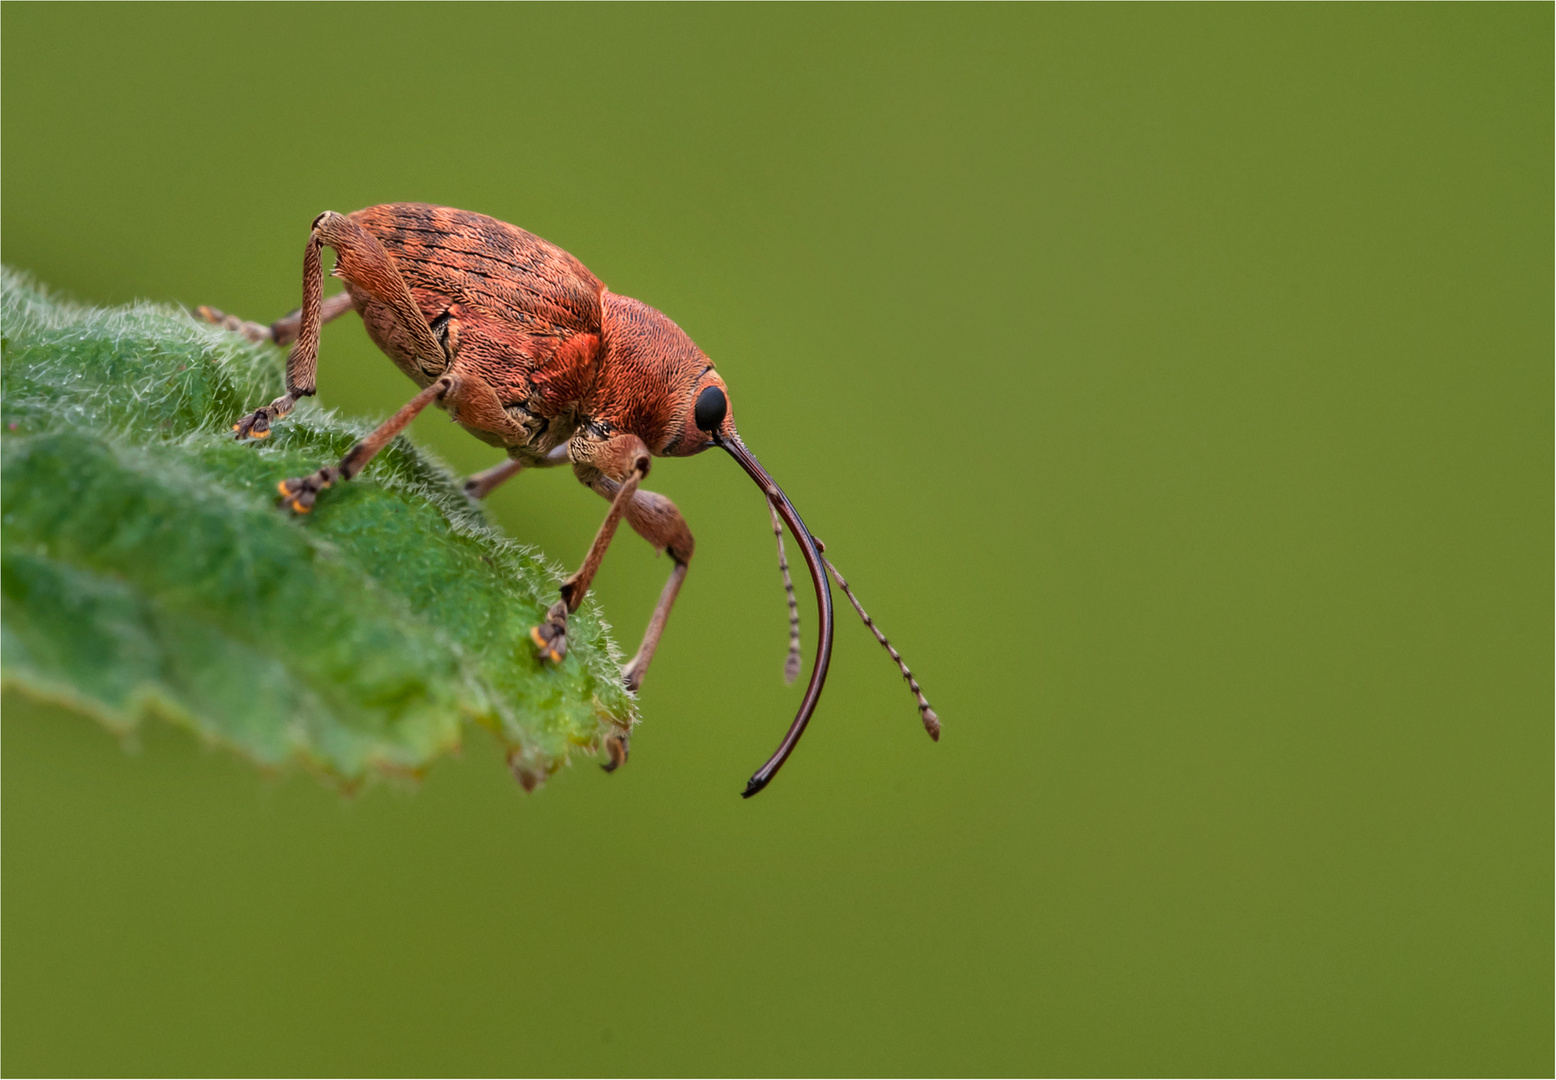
(652, 376)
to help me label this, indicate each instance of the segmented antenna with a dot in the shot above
(791, 666)
(931, 721)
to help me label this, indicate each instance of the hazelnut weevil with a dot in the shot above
(529, 352)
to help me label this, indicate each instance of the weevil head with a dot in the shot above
(706, 419)
(657, 383)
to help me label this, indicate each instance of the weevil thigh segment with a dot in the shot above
(389, 310)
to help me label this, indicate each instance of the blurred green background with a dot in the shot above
(1173, 382)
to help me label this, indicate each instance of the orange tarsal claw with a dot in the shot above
(550, 637)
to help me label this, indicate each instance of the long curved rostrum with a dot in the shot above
(818, 577)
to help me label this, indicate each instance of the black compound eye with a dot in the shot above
(711, 409)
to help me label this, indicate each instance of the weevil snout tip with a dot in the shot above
(753, 785)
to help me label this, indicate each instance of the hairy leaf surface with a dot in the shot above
(146, 571)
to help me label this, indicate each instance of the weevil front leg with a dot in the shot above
(624, 460)
(656, 519)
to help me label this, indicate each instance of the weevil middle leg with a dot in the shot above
(298, 493)
(480, 485)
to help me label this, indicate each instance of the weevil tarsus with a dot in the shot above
(284, 330)
(616, 748)
(299, 493)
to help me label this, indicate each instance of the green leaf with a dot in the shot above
(146, 571)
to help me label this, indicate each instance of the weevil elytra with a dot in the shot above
(528, 351)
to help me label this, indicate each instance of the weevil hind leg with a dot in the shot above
(369, 271)
(303, 361)
(284, 330)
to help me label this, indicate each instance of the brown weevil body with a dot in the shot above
(528, 351)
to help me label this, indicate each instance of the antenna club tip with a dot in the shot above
(753, 785)
(932, 724)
